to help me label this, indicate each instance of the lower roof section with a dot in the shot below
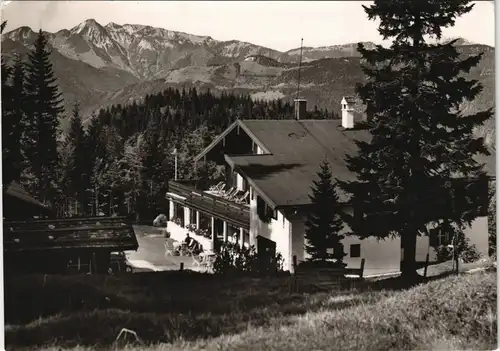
(111, 233)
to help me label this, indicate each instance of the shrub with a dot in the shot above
(233, 259)
(466, 252)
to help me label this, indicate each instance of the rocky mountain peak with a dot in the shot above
(91, 30)
(112, 25)
(22, 34)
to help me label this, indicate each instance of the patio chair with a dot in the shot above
(169, 248)
(230, 195)
(241, 199)
(227, 192)
(193, 249)
(220, 190)
(196, 260)
(216, 187)
(234, 195)
(208, 262)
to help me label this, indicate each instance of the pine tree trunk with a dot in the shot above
(409, 264)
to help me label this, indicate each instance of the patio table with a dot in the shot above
(206, 255)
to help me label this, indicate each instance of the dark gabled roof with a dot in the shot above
(296, 149)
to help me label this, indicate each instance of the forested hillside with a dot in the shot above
(121, 162)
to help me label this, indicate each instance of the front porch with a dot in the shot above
(208, 218)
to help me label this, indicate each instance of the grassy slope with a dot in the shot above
(204, 312)
(455, 313)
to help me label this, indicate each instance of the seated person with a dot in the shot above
(188, 241)
(195, 246)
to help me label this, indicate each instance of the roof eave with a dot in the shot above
(237, 123)
(216, 141)
(249, 132)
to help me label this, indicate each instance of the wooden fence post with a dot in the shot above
(362, 268)
(426, 265)
(182, 266)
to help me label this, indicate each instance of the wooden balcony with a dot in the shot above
(188, 195)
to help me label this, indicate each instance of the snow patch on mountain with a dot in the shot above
(91, 58)
(145, 45)
(234, 48)
(132, 28)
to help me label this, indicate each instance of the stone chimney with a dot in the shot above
(300, 108)
(347, 112)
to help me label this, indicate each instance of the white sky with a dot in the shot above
(274, 24)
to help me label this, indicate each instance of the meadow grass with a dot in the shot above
(171, 311)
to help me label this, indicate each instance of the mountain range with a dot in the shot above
(100, 65)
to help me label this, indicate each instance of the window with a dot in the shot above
(261, 207)
(192, 216)
(439, 237)
(234, 179)
(355, 250)
(444, 238)
(333, 250)
(265, 212)
(272, 213)
(179, 214)
(240, 185)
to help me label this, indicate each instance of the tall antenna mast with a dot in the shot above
(300, 66)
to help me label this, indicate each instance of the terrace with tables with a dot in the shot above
(211, 215)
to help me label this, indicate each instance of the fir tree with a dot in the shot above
(76, 166)
(324, 224)
(420, 140)
(94, 150)
(9, 123)
(153, 154)
(131, 172)
(13, 119)
(42, 125)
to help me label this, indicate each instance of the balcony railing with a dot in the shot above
(219, 207)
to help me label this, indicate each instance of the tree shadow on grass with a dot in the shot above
(230, 313)
(161, 307)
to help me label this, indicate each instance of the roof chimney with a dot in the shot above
(347, 112)
(300, 108)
